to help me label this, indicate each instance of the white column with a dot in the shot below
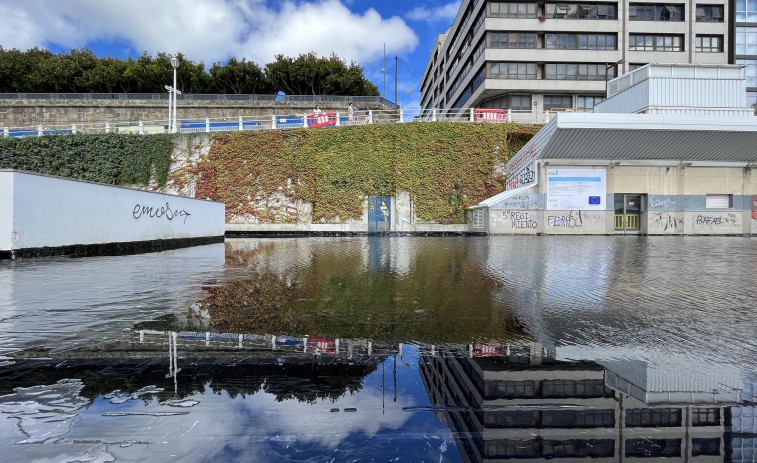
(207, 124)
(39, 130)
(433, 115)
(509, 115)
(107, 128)
(471, 119)
(6, 132)
(546, 116)
(141, 128)
(337, 119)
(241, 124)
(370, 116)
(73, 128)
(402, 115)
(305, 121)
(273, 121)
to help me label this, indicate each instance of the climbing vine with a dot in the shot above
(114, 158)
(446, 167)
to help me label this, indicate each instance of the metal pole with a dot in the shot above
(170, 102)
(396, 60)
(174, 100)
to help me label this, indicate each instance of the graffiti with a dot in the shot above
(158, 212)
(521, 159)
(519, 202)
(523, 177)
(572, 220)
(714, 220)
(522, 220)
(657, 203)
(666, 221)
(754, 207)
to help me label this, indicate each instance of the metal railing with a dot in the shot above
(203, 97)
(283, 122)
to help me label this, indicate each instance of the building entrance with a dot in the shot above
(628, 208)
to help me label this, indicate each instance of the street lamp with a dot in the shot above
(175, 64)
(402, 105)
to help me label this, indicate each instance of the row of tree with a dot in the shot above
(80, 71)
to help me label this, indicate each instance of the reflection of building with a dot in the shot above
(526, 405)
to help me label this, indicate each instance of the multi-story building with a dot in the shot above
(744, 44)
(533, 56)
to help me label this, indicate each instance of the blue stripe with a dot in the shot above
(574, 179)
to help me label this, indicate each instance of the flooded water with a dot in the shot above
(385, 349)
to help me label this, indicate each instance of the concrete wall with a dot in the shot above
(49, 211)
(55, 113)
(675, 203)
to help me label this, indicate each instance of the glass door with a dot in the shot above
(628, 212)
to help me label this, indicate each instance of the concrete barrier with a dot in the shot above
(45, 215)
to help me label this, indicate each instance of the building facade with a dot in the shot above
(531, 57)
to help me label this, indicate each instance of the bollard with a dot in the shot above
(471, 119)
(370, 116)
(433, 115)
(39, 130)
(73, 129)
(141, 128)
(546, 116)
(207, 125)
(305, 121)
(402, 116)
(273, 122)
(509, 115)
(337, 119)
(241, 124)
(107, 128)
(6, 132)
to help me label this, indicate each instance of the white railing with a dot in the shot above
(283, 122)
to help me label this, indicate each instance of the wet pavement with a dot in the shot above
(384, 349)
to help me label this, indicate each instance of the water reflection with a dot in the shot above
(379, 349)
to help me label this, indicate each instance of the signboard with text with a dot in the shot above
(576, 189)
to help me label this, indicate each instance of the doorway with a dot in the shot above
(628, 209)
(379, 214)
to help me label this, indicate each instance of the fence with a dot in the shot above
(291, 121)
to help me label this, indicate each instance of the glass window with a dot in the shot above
(709, 43)
(588, 102)
(746, 40)
(573, 71)
(570, 41)
(557, 102)
(638, 42)
(709, 13)
(512, 40)
(512, 70)
(746, 10)
(655, 12)
(520, 102)
(581, 10)
(512, 10)
(653, 448)
(705, 446)
(653, 417)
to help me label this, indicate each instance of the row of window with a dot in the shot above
(523, 102)
(598, 448)
(636, 11)
(552, 71)
(636, 42)
(546, 388)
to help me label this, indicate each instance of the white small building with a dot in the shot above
(671, 151)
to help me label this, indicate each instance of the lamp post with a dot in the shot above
(402, 106)
(170, 103)
(175, 64)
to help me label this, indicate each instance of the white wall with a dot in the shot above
(52, 211)
(6, 210)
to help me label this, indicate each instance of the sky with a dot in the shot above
(216, 30)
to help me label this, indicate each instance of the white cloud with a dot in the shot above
(443, 13)
(207, 31)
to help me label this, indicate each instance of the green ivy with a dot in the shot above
(114, 158)
(445, 166)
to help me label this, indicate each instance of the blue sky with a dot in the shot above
(215, 30)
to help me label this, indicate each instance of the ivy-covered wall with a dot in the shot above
(445, 166)
(114, 158)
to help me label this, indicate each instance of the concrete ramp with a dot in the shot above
(42, 215)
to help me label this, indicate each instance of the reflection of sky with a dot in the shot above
(64, 300)
(251, 428)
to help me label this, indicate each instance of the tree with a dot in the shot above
(239, 77)
(311, 75)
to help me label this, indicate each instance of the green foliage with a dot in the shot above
(80, 71)
(120, 159)
(446, 167)
(310, 75)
